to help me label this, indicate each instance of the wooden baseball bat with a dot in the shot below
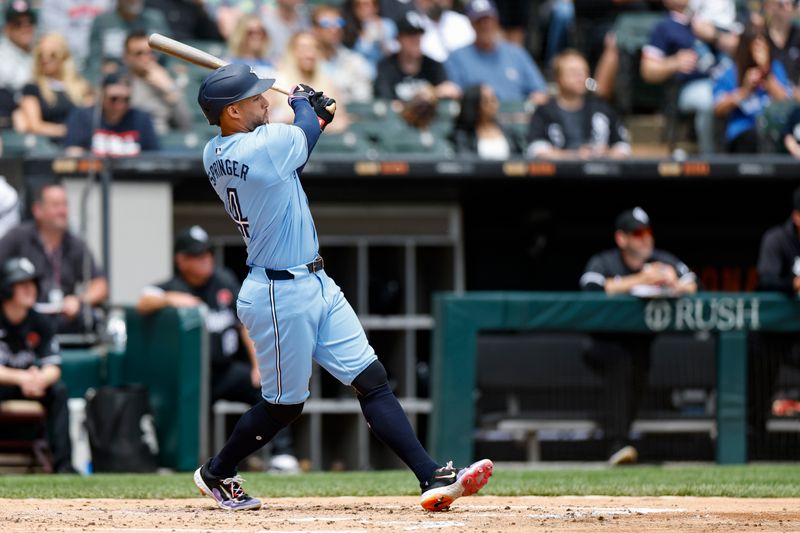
(193, 55)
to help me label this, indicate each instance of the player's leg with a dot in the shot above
(55, 403)
(343, 350)
(274, 314)
(233, 383)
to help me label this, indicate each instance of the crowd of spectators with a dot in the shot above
(731, 66)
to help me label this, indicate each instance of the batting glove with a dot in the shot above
(301, 91)
(324, 107)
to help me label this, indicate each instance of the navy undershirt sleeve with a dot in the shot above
(306, 119)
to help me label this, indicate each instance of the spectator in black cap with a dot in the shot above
(16, 51)
(122, 131)
(633, 267)
(778, 270)
(198, 281)
(401, 75)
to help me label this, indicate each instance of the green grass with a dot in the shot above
(768, 481)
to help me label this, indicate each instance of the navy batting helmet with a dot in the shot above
(16, 270)
(227, 85)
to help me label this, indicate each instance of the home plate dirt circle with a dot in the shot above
(366, 514)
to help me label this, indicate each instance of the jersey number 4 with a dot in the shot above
(236, 213)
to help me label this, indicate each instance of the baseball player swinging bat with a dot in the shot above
(193, 55)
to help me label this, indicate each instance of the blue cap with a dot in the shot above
(477, 9)
(227, 85)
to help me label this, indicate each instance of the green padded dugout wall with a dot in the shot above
(168, 352)
(460, 318)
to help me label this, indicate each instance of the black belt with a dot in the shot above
(276, 275)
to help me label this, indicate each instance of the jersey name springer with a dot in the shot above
(227, 167)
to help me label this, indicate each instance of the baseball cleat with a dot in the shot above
(227, 492)
(449, 483)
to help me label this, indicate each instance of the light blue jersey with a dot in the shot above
(255, 176)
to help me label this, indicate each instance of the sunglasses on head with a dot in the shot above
(641, 232)
(329, 23)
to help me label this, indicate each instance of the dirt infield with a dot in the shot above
(480, 513)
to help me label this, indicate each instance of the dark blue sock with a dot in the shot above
(389, 423)
(253, 430)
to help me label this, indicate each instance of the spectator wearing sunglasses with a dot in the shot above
(16, 51)
(120, 131)
(249, 43)
(636, 267)
(153, 88)
(350, 72)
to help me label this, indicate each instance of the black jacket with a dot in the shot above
(779, 258)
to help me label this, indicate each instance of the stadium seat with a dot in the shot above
(448, 108)
(410, 141)
(360, 111)
(633, 33)
(17, 144)
(348, 143)
(191, 141)
(770, 126)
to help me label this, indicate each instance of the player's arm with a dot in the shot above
(11, 376)
(50, 374)
(304, 116)
(153, 299)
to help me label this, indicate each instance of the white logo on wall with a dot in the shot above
(685, 314)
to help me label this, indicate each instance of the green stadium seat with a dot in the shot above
(448, 108)
(411, 141)
(633, 30)
(21, 144)
(770, 126)
(180, 141)
(348, 143)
